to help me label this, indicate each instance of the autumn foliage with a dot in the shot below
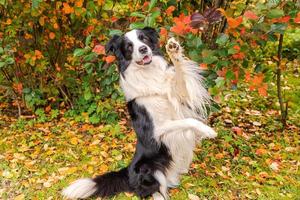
(53, 56)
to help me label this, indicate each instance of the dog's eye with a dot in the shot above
(129, 47)
(143, 38)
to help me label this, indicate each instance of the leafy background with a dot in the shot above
(63, 115)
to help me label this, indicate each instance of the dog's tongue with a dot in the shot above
(146, 59)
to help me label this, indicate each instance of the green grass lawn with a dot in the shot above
(250, 159)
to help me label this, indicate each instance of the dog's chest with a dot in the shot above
(180, 143)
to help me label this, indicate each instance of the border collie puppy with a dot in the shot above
(167, 105)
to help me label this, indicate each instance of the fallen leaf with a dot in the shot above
(260, 152)
(274, 166)
(193, 197)
(20, 197)
(237, 130)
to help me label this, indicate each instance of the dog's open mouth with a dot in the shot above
(145, 61)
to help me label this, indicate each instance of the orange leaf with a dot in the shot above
(48, 109)
(51, 35)
(297, 19)
(247, 76)
(233, 23)
(222, 11)
(179, 28)
(260, 151)
(170, 10)
(263, 90)
(258, 79)
(219, 156)
(67, 8)
(99, 49)
(100, 2)
(163, 32)
(79, 3)
(38, 54)
(203, 66)
(18, 87)
(250, 15)
(110, 59)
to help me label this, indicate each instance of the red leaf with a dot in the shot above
(222, 72)
(239, 56)
(99, 49)
(114, 19)
(284, 19)
(236, 47)
(250, 15)
(203, 66)
(297, 19)
(237, 130)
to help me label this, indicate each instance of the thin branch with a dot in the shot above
(278, 82)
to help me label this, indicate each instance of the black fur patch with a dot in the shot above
(150, 155)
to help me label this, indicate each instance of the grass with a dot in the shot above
(251, 158)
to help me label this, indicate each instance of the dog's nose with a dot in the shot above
(143, 49)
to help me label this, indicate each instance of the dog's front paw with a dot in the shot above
(173, 46)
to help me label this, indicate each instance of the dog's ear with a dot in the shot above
(152, 34)
(112, 44)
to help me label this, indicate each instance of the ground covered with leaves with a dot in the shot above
(251, 158)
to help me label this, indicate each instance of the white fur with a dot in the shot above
(157, 196)
(176, 100)
(161, 178)
(80, 189)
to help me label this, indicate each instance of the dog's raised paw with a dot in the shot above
(172, 46)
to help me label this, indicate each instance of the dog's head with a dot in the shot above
(137, 46)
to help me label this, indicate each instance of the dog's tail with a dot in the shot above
(105, 185)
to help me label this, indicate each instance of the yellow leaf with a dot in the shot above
(74, 140)
(55, 26)
(42, 20)
(100, 2)
(20, 197)
(103, 168)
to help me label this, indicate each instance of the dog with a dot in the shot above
(168, 107)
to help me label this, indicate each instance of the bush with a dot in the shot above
(52, 52)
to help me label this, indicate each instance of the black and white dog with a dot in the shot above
(167, 105)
